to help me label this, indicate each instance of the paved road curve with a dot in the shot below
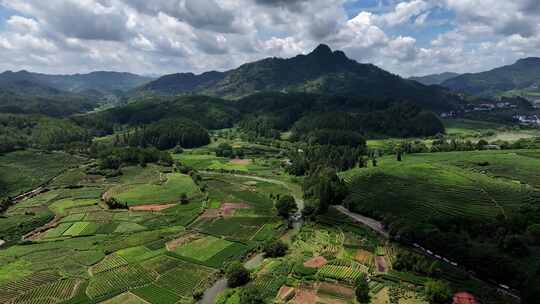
(371, 223)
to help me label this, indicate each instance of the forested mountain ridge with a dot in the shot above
(101, 81)
(434, 79)
(24, 92)
(522, 75)
(182, 83)
(323, 71)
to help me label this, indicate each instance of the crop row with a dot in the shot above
(59, 291)
(342, 273)
(184, 279)
(118, 280)
(110, 262)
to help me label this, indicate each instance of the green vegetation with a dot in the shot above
(453, 203)
(237, 275)
(168, 191)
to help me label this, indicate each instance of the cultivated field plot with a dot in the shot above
(118, 280)
(63, 207)
(241, 190)
(185, 279)
(168, 190)
(235, 228)
(210, 251)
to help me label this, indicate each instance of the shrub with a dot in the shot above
(275, 248)
(237, 275)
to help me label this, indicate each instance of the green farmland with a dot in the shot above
(159, 249)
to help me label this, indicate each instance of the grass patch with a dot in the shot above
(202, 249)
(168, 192)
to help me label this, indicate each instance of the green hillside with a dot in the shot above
(473, 207)
(524, 75)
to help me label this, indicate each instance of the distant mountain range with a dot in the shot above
(91, 83)
(323, 71)
(434, 79)
(61, 95)
(521, 78)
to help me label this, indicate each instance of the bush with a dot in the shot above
(362, 289)
(438, 292)
(303, 271)
(237, 275)
(275, 249)
(251, 295)
(286, 205)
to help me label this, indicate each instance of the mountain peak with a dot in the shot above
(322, 49)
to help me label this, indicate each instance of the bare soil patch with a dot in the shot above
(172, 245)
(285, 293)
(305, 295)
(211, 213)
(238, 161)
(381, 263)
(316, 262)
(151, 207)
(363, 256)
(227, 209)
(335, 289)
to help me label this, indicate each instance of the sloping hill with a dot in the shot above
(103, 82)
(323, 71)
(434, 79)
(183, 83)
(524, 75)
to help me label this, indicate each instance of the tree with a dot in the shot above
(534, 232)
(251, 295)
(275, 248)
(224, 150)
(398, 155)
(286, 205)
(237, 275)
(362, 289)
(184, 199)
(438, 291)
(481, 144)
(531, 290)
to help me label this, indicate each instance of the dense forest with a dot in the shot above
(165, 134)
(35, 131)
(268, 114)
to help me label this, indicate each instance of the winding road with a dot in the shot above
(371, 223)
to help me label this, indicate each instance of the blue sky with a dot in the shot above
(407, 37)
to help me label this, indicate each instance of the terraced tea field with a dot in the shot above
(474, 185)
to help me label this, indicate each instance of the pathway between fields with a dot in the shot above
(371, 223)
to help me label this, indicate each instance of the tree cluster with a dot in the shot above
(110, 157)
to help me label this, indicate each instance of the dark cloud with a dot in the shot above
(294, 5)
(75, 21)
(208, 14)
(201, 14)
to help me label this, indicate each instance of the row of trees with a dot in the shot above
(310, 159)
(110, 157)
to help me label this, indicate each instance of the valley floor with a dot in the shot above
(162, 250)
